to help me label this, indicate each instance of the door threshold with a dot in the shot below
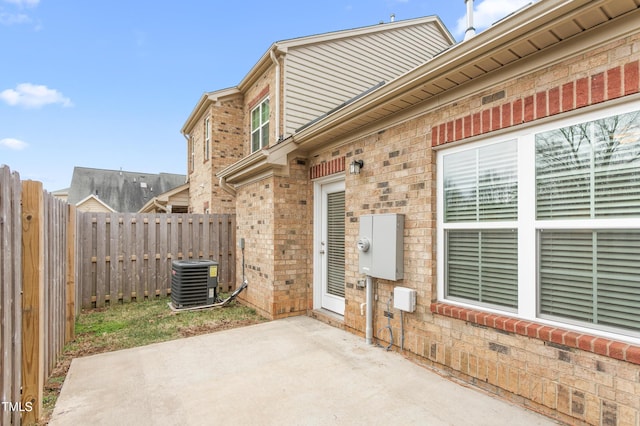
(328, 317)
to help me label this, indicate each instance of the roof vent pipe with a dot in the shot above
(393, 17)
(471, 31)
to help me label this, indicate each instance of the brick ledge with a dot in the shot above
(598, 345)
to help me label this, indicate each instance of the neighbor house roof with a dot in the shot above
(159, 202)
(123, 191)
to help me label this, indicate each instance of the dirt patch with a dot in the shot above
(212, 327)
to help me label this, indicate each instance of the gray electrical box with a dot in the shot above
(381, 246)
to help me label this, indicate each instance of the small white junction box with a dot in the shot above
(404, 299)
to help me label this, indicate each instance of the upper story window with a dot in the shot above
(260, 126)
(207, 138)
(545, 225)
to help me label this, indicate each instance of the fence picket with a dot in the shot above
(163, 270)
(101, 264)
(10, 292)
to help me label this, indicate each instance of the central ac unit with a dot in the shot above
(193, 283)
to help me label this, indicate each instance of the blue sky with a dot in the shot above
(109, 84)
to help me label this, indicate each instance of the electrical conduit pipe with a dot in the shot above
(369, 317)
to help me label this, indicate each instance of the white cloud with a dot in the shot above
(29, 3)
(33, 96)
(14, 144)
(488, 12)
(14, 18)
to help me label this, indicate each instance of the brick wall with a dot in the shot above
(226, 147)
(577, 378)
(255, 223)
(293, 236)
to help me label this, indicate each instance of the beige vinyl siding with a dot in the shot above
(92, 205)
(322, 76)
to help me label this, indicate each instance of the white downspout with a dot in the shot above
(369, 317)
(274, 58)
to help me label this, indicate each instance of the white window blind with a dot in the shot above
(483, 266)
(482, 184)
(335, 243)
(480, 192)
(591, 276)
(589, 170)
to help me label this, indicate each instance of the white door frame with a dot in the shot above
(318, 222)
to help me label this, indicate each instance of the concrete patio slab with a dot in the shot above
(296, 371)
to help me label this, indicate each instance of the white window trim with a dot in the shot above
(526, 223)
(261, 126)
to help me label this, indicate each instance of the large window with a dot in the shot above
(260, 126)
(545, 224)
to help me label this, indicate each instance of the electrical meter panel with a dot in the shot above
(381, 246)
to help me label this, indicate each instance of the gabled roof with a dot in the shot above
(529, 33)
(123, 191)
(283, 46)
(97, 200)
(205, 100)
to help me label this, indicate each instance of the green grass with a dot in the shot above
(127, 325)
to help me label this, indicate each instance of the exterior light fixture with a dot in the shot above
(355, 166)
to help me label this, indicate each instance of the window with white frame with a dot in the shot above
(207, 138)
(544, 224)
(260, 126)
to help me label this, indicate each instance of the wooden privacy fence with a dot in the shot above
(37, 269)
(128, 256)
(53, 258)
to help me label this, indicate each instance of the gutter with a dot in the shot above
(455, 57)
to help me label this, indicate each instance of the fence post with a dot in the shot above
(70, 321)
(32, 299)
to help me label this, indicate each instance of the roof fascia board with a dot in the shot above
(249, 162)
(336, 35)
(91, 196)
(258, 163)
(205, 100)
(613, 31)
(170, 193)
(519, 25)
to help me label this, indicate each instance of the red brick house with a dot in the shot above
(513, 159)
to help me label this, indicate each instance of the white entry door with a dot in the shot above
(329, 246)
